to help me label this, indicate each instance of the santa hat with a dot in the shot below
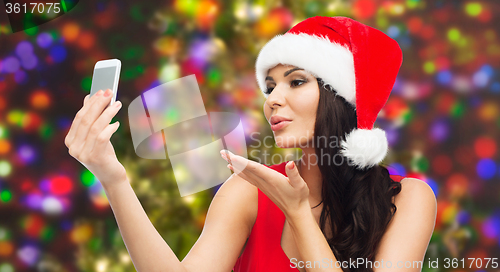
(358, 61)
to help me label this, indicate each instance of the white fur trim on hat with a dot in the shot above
(323, 58)
(364, 147)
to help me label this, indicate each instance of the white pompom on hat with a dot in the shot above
(360, 62)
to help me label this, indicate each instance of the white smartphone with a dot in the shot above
(106, 75)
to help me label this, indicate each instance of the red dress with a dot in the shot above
(263, 251)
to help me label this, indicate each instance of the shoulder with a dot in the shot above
(241, 196)
(415, 189)
(416, 197)
(413, 223)
(227, 225)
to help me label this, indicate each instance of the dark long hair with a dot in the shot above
(357, 203)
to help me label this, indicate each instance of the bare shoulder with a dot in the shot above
(416, 201)
(415, 190)
(228, 224)
(243, 195)
(412, 223)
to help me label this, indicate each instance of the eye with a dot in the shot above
(269, 90)
(293, 84)
(297, 80)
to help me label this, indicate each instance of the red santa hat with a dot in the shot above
(360, 62)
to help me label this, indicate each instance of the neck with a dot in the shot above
(309, 171)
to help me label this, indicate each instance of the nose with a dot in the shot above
(276, 98)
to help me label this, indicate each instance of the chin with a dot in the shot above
(284, 140)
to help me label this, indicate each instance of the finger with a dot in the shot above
(86, 99)
(99, 125)
(293, 174)
(91, 115)
(103, 138)
(78, 118)
(245, 177)
(240, 164)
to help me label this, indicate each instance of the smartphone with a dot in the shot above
(106, 75)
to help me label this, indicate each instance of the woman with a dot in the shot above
(325, 81)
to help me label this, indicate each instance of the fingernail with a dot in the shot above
(107, 93)
(99, 93)
(118, 104)
(291, 166)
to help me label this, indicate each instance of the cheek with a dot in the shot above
(306, 107)
(267, 112)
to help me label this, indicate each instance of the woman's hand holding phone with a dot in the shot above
(88, 139)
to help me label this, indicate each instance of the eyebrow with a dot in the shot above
(286, 73)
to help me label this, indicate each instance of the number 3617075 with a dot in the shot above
(32, 7)
(474, 263)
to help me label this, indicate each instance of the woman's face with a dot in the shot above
(294, 96)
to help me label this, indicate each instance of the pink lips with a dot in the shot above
(280, 125)
(279, 122)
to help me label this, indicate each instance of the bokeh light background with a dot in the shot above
(442, 118)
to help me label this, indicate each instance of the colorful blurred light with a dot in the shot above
(88, 179)
(33, 225)
(453, 34)
(434, 186)
(461, 84)
(51, 205)
(491, 227)
(26, 153)
(463, 217)
(60, 185)
(28, 254)
(488, 111)
(441, 164)
(81, 234)
(70, 32)
(44, 40)
(439, 130)
(24, 49)
(473, 8)
(86, 40)
(10, 64)
(393, 31)
(486, 169)
(5, 196)
(29, 62)
(449, 212)
(40, 99)
(98, 195)
(34, 201)
(58, 53)
(420, 163)
(396, 169)
(364, 9)
(485, 147)
(5, 168)
(456, 185)
(6, 250)
(444, 77)
(20, 77)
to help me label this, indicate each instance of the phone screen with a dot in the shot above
(103, 79)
